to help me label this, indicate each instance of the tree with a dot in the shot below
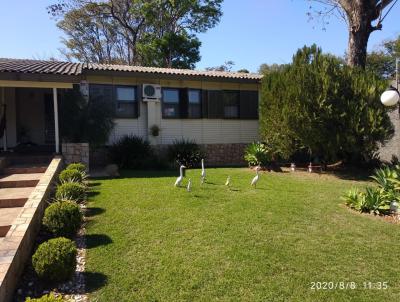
(383, 60)
(136, 32)
(243, 70)
(265, 68)
(320, 106)
(362, 17)
(227, 67)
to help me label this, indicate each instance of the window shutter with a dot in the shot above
(138, 98)
(183, 102)
(204, 103)
(248, 104)
(215, 104)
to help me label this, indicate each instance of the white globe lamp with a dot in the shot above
(390, 97)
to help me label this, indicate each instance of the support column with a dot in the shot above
(56, 130)
(3, 103)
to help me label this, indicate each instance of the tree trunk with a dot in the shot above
(357, 45)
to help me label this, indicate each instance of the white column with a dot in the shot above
(56, 130)
(3, 101)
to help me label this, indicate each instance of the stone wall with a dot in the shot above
(225, 154)
(76, 153)
(392, 147)
(18, 243)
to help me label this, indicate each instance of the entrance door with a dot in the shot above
(49, 130)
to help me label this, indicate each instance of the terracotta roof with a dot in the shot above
(68, 68)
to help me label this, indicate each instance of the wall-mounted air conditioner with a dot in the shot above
(151, 92)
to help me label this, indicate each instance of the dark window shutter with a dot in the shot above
(204, 103)
(248, 104)
(183, 103)
(215, 104)
(138, 98)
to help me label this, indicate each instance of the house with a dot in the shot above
(218, 110)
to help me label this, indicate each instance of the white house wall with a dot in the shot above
(203, 131)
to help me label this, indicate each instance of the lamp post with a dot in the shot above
(392, 95)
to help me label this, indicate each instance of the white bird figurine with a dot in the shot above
(203, 172)
(180, 178)
(228, 181)
(189, 185)
(256, 178)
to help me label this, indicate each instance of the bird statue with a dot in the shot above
(256, 178)
(203, 172)
(180, 178)
(189, 185)
(228, 181)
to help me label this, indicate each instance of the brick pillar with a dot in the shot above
(76, 153)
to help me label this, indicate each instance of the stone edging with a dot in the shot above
(18, 242)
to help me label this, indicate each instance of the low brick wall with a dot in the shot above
(18, 243)
(225, 154)
(76, 153)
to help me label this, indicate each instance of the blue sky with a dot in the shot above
(250, 33)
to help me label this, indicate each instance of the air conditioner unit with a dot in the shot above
(151, 92)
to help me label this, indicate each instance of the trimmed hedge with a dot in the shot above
(71, 191)
(70, 175)
(55, 259)
(63, 218)
(46, 298)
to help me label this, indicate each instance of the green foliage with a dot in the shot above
(258, 154)
(62, 218)
(85, 121)
(141, 32)
(76, 166)
(131, 152)
(377, 199)
(383, 60)
(71, 191)
(185, 152)
(70, 175)
(46, 298)
(323, 107)
(55, 259)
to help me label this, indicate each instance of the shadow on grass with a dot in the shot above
(94, 184)
(356, 174)
(94, 281)
(94, 211)
(95, 240)
(93, 193)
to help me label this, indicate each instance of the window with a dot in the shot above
(122, 99)
(194, 97)
(231, 104)
(170, 98)
(126, 104)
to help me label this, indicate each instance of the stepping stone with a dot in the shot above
(14, 197)
(20, 180)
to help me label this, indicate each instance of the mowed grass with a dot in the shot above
(150, 241)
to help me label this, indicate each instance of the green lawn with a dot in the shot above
(149, 241)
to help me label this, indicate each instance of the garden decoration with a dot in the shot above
(292, 167)
(180, 178)
(310, 167)
(203, 172)
(189, 185)
(228, 181)
(256, 178)
(394, 207)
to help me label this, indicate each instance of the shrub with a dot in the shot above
(71, 191)
(77, 166)
(70, 175)
(55, 259)
(257, 154)
(185, 152)
(46, 298)
(62, 218)
(130, 152)
(320, 105)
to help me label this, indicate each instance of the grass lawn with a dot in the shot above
(149, 241)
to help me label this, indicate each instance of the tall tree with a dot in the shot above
(382, 61)
(362, 17)
(140, 32)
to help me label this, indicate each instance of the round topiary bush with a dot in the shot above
(46, 298)
(70, 175)
(71, 191)
(76, 166)
(55, 259)
(62, 218)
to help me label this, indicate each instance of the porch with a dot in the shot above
(29, 119)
